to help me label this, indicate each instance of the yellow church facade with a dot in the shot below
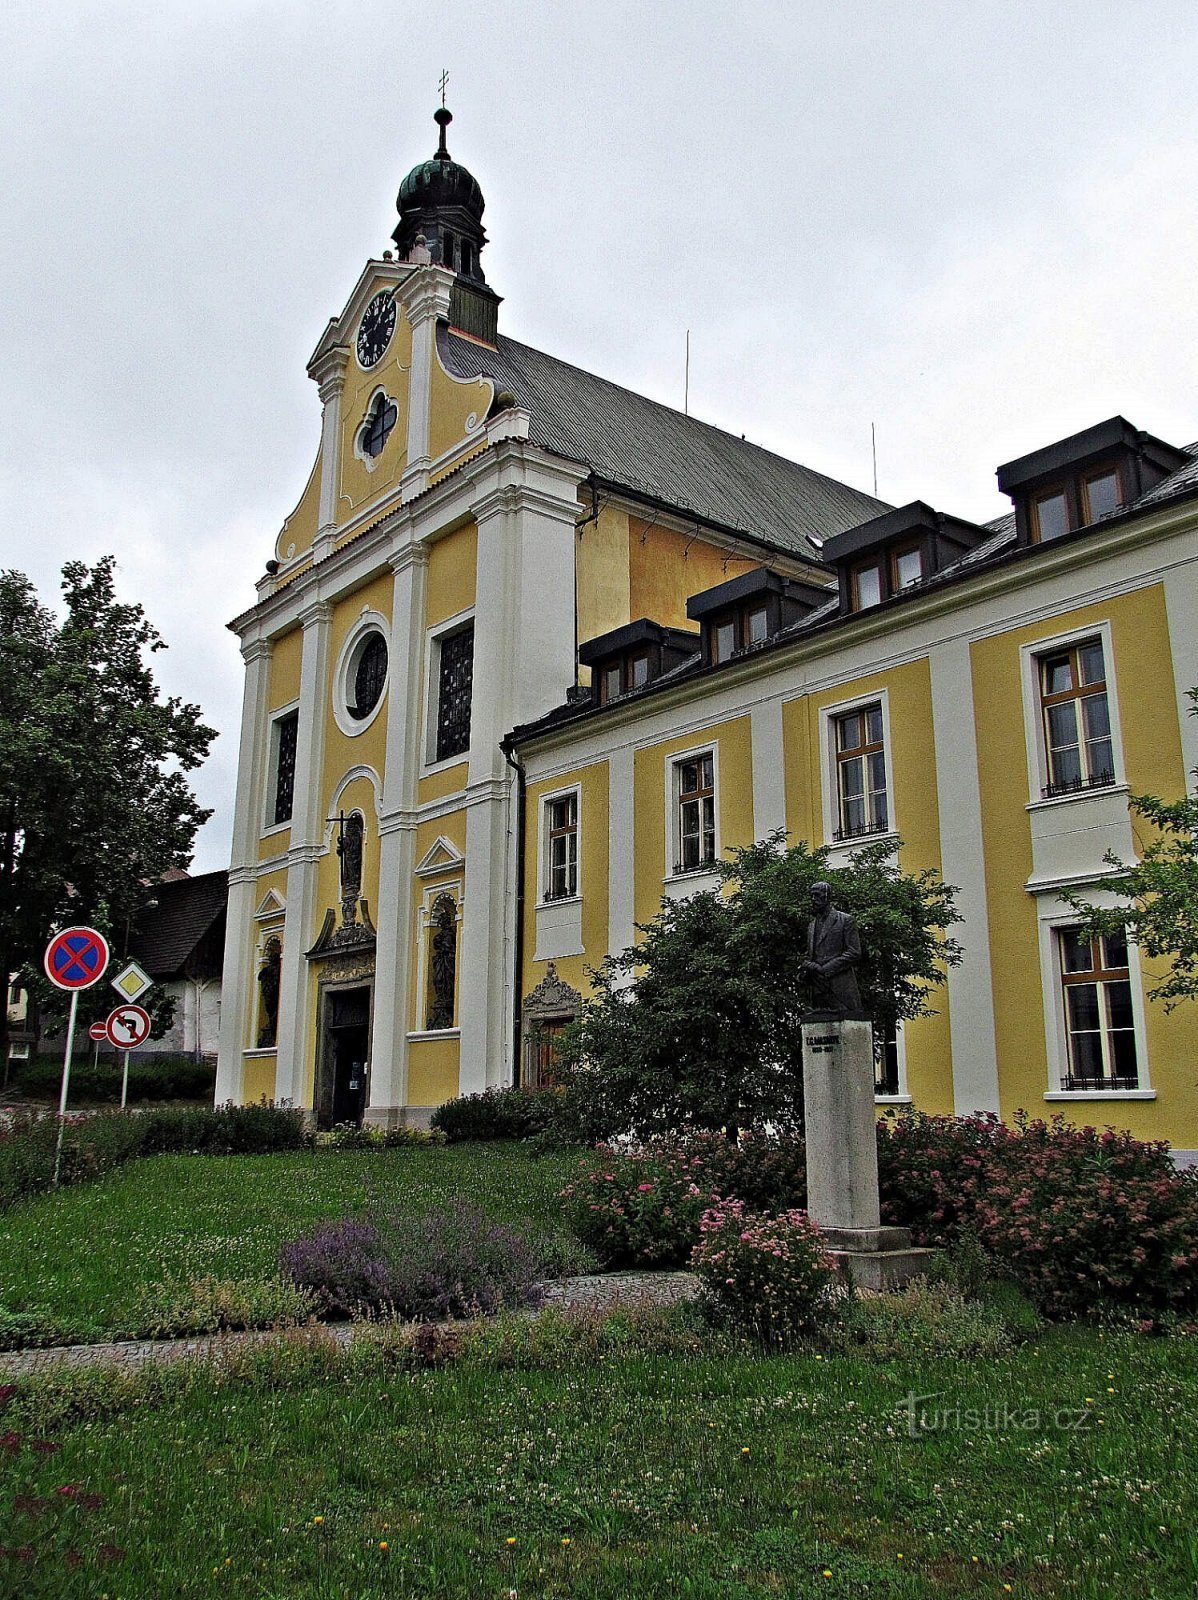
(532, 652)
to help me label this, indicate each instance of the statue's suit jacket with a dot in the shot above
(833, 943)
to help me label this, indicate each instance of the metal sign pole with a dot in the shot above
(66, 1078)
(125, 1080)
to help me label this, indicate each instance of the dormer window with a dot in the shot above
(906, 566)
(1050, 515)
(740, 630)
(867, 585)
(1084, 479)
(897, 551)
(1100, 494)
(631, 657)
(750, 610)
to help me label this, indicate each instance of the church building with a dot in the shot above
(533, 651)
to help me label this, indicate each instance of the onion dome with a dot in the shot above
(442, 201)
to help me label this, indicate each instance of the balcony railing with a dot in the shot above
(1100, 1085)
(1097, 780)
(863, 832)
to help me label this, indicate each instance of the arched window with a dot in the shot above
(381, 419)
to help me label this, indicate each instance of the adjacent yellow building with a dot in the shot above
(533, 651)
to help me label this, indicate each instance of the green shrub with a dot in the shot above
(638, 1208)
(228, 1130)
(497, 1114)
(349, 1136)
(924, 1320)
(150, 1078)
(771, 1275)
(215, 1305)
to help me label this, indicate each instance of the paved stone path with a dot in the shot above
(597, 1291)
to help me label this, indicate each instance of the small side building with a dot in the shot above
(179, 940)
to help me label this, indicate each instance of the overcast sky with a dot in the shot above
(973, 225)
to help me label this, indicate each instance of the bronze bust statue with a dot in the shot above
(833, 951)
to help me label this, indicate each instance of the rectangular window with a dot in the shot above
(455, 683)
(561, 865)
(638, 672)
(906, 567)
(887, 1078)
(757, 625)
(1099, 1021)
(286, 737)
(1051, 515)
(696, 812)
(1100, 494)
(1077, 722)
(862, 803)
(610, 683)
(724, 639)
(867, 586)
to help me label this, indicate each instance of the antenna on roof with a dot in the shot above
(873, 443)
(686, 385)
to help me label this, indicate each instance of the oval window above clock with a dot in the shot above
(375, 431)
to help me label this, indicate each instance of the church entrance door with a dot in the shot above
(347, 1043)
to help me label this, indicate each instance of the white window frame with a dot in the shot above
(673, 828)
(1052, 919)
(830, 771)
(543, 877)
(903, 1095)
(269, 825)
(368, 622)
(424, 918)
(1030, 656)
(432, 692)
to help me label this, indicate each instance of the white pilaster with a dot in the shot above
(393, 966)
(237, 977)
(426, 297)
(1181, 609)
(525, 513)
(769, 778)
(307, 844)
(621, 864)
(970, 987)
(329, 372)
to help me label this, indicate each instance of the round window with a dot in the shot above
(369, 677)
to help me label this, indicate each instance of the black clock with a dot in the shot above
(375, 329)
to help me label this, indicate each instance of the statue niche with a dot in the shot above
(268, 992)
(443, 963)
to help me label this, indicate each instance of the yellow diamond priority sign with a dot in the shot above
(132, 982)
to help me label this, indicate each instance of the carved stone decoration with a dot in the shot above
(268, 989)
(347, 939)
(443, 962)
(552, 997)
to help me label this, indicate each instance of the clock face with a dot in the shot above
(376, 328)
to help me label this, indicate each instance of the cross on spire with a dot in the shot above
(442, 85)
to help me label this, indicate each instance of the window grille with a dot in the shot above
(287, 736)
(370, 677)
(456, 682)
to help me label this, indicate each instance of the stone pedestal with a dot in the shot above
(842, 1154)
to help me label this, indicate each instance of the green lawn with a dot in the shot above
(712, 1479)
(83, 1256)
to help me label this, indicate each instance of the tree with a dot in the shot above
(697, 1026)
(1159, 893)
(94, 803)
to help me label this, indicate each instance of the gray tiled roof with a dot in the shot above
(1186, 477)
(183, 911)
(649, 448)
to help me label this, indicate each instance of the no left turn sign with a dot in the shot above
(127, 1027)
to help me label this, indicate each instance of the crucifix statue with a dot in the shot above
(350, 836)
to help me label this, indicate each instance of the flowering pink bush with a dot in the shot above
(772, 1274)
(638, 1207)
